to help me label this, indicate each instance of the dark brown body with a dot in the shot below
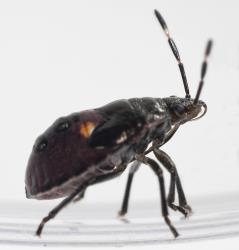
(72, 155)
(46, 173)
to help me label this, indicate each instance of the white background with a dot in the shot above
(59, 57)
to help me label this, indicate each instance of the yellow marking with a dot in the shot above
(87, 128)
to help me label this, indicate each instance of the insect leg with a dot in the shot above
(58, 208)
(80, 196)
(175, 180)
(157, 143)
(133, 168)
(158, 171)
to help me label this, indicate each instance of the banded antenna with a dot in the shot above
(203, 70)
(175, 51)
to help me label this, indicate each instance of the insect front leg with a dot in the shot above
(133, 168)
(167, 162)
(158, 171)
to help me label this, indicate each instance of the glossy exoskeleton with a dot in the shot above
(98, 144)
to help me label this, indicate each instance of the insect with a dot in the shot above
(96, 145)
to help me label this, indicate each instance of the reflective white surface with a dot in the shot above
(95, 225)
(57, 58)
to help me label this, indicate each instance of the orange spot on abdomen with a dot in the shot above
(87, 128)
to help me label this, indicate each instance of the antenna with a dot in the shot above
(203, 70)
(174, 50)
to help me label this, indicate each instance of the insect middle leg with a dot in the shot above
(175, 182)
(158, 171)
(133, 168)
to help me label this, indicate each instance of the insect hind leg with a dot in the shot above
(80, 196)
(60, 206)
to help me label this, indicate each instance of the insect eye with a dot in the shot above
(63, 126)
(179, 110)
(40, 146)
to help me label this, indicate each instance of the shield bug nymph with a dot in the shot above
(96, 145)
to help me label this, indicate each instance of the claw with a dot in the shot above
(121, 216)
(185, 210)
(188, 211)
